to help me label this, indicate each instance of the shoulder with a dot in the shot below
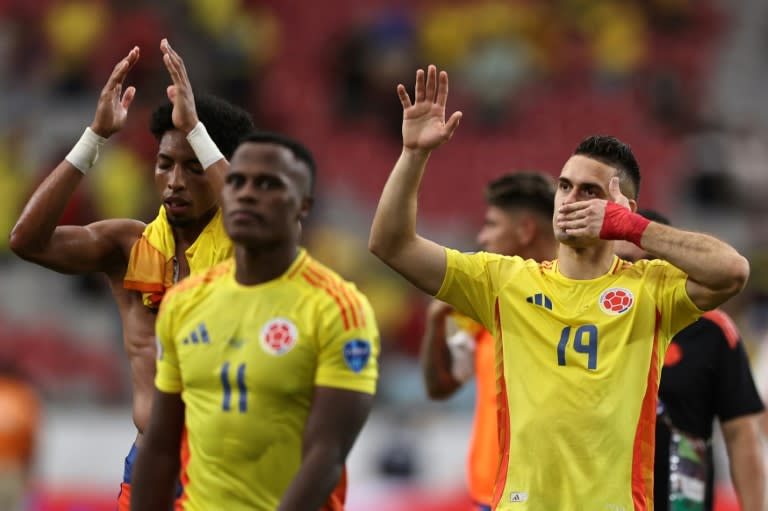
(122, 231)
(649, 268)
(197, 285)
(458, 259)
(331, 292)
(720, 322)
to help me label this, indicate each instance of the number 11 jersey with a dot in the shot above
(246, 360)
(577, 367)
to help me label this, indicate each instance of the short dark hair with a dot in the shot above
(613, 152)
(225, 122)
(299, 150)
(653, 216)
(530, 190)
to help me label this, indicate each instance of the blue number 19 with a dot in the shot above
(589, 348)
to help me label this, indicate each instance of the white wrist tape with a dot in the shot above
(462, 348)
(204, 146)
(86, 151)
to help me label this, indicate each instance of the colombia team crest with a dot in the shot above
(278, 336)
(616, 300)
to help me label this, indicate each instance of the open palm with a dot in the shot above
(112, 108)
(424, 125)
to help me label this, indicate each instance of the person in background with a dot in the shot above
(20, 415)
(518, 221)
(706, 376)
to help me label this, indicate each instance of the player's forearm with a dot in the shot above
(38, 220)
(745, 454)
(153, 481)
(708, 261)
(394, 224)
(436, 362)
(319, 474)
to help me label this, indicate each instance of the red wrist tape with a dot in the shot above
(621, 223)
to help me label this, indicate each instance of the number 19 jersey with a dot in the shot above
(246, 360)
(577, 366)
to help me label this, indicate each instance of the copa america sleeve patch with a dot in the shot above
(356, 354)
(159, 347)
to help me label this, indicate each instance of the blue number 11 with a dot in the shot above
(243, 401)
(589, 348)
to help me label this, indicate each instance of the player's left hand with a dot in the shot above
(583, 220)
(184, 114)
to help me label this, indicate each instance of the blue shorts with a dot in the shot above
(482, 507)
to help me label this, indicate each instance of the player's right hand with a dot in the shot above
(424, 124)
(112, 108)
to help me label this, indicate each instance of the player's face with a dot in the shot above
(265, 195)
(499, 233)
(629, 251)
(180, 179)
(581, 179)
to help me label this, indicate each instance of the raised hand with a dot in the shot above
(112, 108)
(184, 114)
(424, 125)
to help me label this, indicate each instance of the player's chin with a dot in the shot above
(572, 241)
(249, 237)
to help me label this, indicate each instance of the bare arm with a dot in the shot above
(393, 235)
(745, 454)
(716, 271)
(436, 360)
(77, 249)
(184, 113)
(335, 420)
(153, 482)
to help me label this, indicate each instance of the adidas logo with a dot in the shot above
(198, 336)
(541, 300)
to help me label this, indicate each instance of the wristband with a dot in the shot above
(86, 151)
(620, 223)
(204, 146)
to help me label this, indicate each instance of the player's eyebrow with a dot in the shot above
(186, 162)
(583, 184)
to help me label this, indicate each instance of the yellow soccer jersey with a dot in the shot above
(578, 366)
(246, 360)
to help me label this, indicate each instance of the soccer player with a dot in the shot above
(706, 375)
(579, 366)
(518, 221)
(140, 261)
(270, 360)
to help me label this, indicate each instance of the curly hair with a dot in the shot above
(225, 122)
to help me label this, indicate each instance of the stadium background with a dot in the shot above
(682, 80)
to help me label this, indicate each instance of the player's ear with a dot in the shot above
(633, 205)
(305, 207)
(526, 230)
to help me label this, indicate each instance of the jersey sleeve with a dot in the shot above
(675, 306)
(735, 393)
(472, 283)
(348, 346)
(167, 375)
